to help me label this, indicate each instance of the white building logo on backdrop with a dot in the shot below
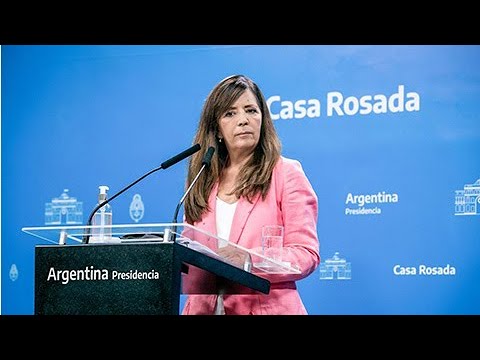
(368, 204)
(137, 209)
(335, 268)
(338, 104)
(467, 201)
(13, 273)
(64, 210)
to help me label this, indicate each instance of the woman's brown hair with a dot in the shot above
(256, 174)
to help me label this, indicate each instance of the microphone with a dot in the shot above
(179, 157)
(166, 164)
(207, 159)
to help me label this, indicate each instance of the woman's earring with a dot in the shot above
(219, 140)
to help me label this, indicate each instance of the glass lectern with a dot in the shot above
(141, 268)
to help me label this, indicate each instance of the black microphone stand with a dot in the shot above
(206, 162)
(166, 164)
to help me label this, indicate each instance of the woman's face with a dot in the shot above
(240, 125)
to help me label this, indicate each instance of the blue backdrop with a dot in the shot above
(389, 136)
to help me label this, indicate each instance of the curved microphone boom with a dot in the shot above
(166, 164)
(207, 159)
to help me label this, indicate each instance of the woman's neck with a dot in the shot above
(228, 179)
(227, 184)
(237, 161)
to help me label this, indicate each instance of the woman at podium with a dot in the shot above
(249, 184)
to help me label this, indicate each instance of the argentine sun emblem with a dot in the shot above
(136, 208)
(13, 272)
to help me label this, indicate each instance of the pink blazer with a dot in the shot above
(291, 202)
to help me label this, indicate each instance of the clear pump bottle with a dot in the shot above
(102, 219)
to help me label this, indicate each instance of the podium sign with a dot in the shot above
(96, 279)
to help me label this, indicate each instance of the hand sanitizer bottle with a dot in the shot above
(102, 219)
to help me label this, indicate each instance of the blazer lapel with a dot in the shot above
(242, 212)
